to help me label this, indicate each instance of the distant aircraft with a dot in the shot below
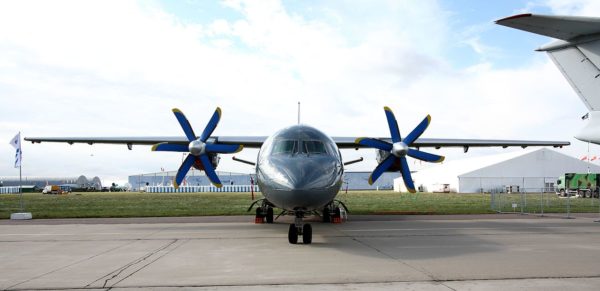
(576, 53)
(299, 169)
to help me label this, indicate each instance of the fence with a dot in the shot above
(544, 202)
(9, 190)
(211, 188)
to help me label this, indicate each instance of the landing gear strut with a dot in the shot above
(297, 229)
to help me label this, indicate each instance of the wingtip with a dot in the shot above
(371, 180)
(175, 185)
(218, 185)
(387, 108)
(513, 17)
(218, 110)
(429, 118)
(442, 158)
(176, 110)
(411, 190)
(358, 140)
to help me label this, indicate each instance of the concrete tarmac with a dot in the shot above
(364, 253)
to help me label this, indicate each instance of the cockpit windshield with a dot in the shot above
(285, 146)
(312, 147)
(291, 147)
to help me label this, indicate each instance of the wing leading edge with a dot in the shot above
(257, 141)
(246, 141)
(348, 142)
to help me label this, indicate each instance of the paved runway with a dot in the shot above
(445, 253)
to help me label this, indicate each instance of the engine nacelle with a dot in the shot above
(214, 160)
(382, 155)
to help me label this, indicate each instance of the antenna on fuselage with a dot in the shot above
(298, 112)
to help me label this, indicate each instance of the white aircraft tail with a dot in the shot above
(576, 53)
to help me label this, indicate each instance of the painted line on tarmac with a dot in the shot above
(452, 228)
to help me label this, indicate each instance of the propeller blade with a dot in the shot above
(382, 167)
(185, 124)
(170, 147)
(423, 156)
(406, 176)
(374, 143)
(183, 169)
(393, 124)
(210, 171)
(416, 133)
(223, 148)
(212, 124)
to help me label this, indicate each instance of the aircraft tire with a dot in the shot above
(293, 234)
(307, 234)
(270, 215)
(326, 215)
(259, 213)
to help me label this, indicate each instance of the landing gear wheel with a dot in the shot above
(293, 234)
(259, 218)
(269, 214)
(307, 234)
(326, 215)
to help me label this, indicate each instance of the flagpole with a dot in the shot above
(21, 183)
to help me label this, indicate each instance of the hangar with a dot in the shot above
(352, 180)
(41, 181)
(524, 171)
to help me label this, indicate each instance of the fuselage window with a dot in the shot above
(312, 147)
(285, 147)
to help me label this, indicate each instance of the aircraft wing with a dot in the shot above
(247, 141)
(348, 142)
(560, 27)
(257, 141)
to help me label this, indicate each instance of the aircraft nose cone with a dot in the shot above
(299, 183)
(304, 174)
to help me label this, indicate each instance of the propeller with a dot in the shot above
(399, 149)
(198, 148)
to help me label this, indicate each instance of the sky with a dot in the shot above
(117, 68)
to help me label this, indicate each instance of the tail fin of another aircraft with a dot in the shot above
(576, 53)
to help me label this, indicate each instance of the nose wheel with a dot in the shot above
(298, 229)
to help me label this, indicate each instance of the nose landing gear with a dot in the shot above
(297, 229)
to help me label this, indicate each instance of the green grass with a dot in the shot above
(201, 204)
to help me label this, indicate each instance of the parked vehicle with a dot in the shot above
(56, 189)
(582, 185)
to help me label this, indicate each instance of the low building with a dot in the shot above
(352, 180)
(40, 182)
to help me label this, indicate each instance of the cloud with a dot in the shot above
(116, 68)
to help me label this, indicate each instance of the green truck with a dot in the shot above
(582, 185)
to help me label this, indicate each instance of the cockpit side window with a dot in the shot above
(312, 147)
(284, 146)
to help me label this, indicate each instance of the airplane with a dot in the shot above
(576, 53)
(299, 169)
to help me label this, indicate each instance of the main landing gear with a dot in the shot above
(298, 229)
(264, 212)
(334, 212)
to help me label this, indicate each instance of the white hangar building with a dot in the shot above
(527, 170)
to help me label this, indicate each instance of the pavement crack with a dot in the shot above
(70, 265)
(431, 276)
(116, 273)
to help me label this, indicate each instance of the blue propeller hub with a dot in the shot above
(197, 147)
(399, 149)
